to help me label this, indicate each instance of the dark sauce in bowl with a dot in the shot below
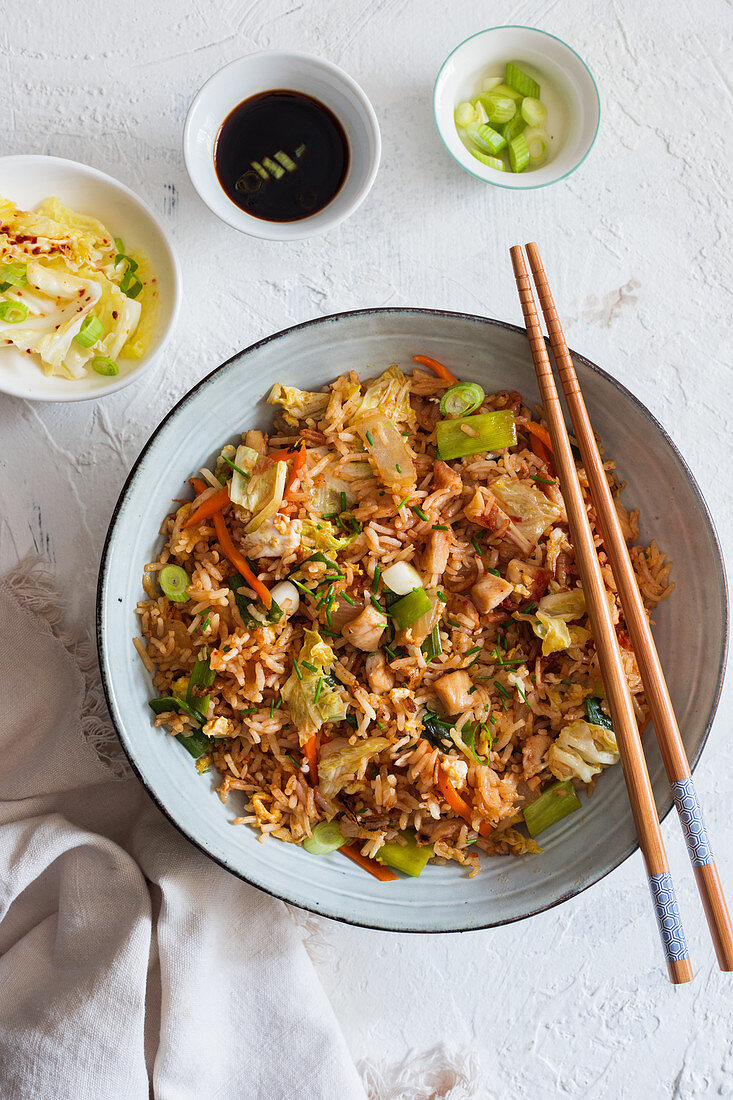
(281, 156)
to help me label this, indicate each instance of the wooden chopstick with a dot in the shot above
(617, 690)
(665, 723)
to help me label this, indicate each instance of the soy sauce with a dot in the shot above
(281, 156)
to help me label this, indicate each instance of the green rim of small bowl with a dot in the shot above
(527, 186)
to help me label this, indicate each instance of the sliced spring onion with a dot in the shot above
(408, 609)
(202, 676)
(401, 578)
(486, 432)
(534, 112)
(253, 611)
(465, 114)
(195, 742)
(120, 246)
(499, 108)
(462, 399)
(481, 117)
(174, 581)
(432, 647)
(102, 365)
(327, 837)
(518, 153)
(486, 139)
(519, 80)
(489, 83)
(13, 312)
(130, 284)
(406, 857)
(538, 146)
(513, 127)
(596, 714)
(89, 332)
(503, 88)
(13, 275)
(287, 162)
(552, 806)
(490, 162)
(261, 172)
(273, 168)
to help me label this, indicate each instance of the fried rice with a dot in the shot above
(443, 730)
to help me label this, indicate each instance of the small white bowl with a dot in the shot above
(297, 72)
(568, 91)
(27, 181)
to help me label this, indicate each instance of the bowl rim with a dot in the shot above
(257, 227)
(473, 172)
(382, 311)
(147, 361)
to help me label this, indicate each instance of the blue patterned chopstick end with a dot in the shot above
(688, 808)
(668, 916)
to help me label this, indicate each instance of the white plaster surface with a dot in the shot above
(574, 1003)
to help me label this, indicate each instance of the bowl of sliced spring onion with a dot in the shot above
(516, 107)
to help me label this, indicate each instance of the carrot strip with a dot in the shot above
(351, 851)
(198, 485)
(238, 561)
(309, 748)
(539, 433)
(436, 367)
(283, 455)
(458, 804)
(298, 464)
(209, 508)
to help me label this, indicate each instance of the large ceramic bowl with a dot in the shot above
(579, 850)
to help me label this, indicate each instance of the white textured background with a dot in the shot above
(574, 1003)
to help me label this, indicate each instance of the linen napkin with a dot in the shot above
(131, 966)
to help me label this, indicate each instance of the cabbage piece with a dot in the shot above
(299, 692)
(564, 605)
(54, 230)
(298, 404)
(529, 509)
(321, 536)
(581, 751)
(389, 395)
(342, 761)
(246, 458)
(389, 452)
(263, 494)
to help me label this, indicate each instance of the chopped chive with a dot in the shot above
(318, 689)
(391, 652)
(309, 666)
(476, 546)
(483, 677)
(419, 513)
(272, 708)
(403, 502)
(440, 527)
(235, 467)
(501, 689)
(302, 587)
(472, 689)
(524, 697)
(347, 597)
(370, 439)
(296, 666)
(500, 638)
(330, 633)
(526, 610)
(494, 572)
(278, 704)
(329, 617)
(332, 577)
(544, 480)
(473, 662)
(492, 720)
(452, 622)
(380, 724)
(206, 622)
(342, 498)
(442, 597)
(291, 757)
(474, 649)
(330, 515)
(377, 575)
(250, 710)
(376, 602)
(398, 468)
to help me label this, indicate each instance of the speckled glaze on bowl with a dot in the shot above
(583, 847)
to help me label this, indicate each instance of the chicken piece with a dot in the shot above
(453, 691)
(437, 549)
(379, 674)
(489, 592)
(365, 631)
(533, 578)
(274, 538)
(484, 510)
(534, 751)
(446, 479)
(255, 440)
